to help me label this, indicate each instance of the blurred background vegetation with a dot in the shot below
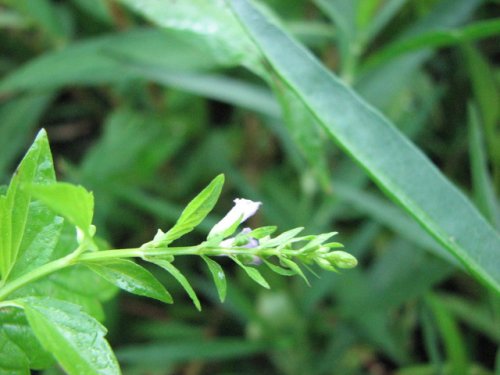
(144, 110)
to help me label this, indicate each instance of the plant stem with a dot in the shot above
(36, 274)
(95, 256)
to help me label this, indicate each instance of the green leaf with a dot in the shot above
(487, 96)
(218, 276)
(15, 209)
(77, 284)
(262, 232)
(193, 214)
(253, 273)
(214, 86)
(450, 332)
(279, 270)
(131, 277)
(73, 202)
(168, 266)
(207, 22)
(306, 133)
(12, 359)
(283, 238)
(390, 81)
(295, 268)
(435, 39)
(389, 9)
(107, 59)
(400, 169)
(161, 355)
(316, 241)
(45, 16)
(73, 337)
(343, 15)
(17, 333)
(484, 191)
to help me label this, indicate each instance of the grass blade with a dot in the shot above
(401, 170)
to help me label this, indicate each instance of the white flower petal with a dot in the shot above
(242, 209)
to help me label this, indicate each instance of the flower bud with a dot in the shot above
(341, 259)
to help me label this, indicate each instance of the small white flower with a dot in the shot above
(242, 210)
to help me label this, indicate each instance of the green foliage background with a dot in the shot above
(146, 101)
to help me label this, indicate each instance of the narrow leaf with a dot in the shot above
(73, 337)
(193, 214)
(262, 232)
(295, 268)
(218, 276)
(279, 270)
(166, 265)
(435, 39)
(482, 184)
(131, 277)
(394, 163)
(253, 273)
(452, 339)
(282, 238)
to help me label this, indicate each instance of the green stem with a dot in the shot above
(36, 274)
(77, 256)
(165, 251)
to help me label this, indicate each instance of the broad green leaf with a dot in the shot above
(435, 39)
(36, 167)
(77, 284)
(13, 361)
(218, 276)
(131, 277)
(73, 202)
(40, 237)
(402, 171)
(252, 272)
(210, 22)
(193, 214)
(74, 338)
(17, 333)
(169, 267)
